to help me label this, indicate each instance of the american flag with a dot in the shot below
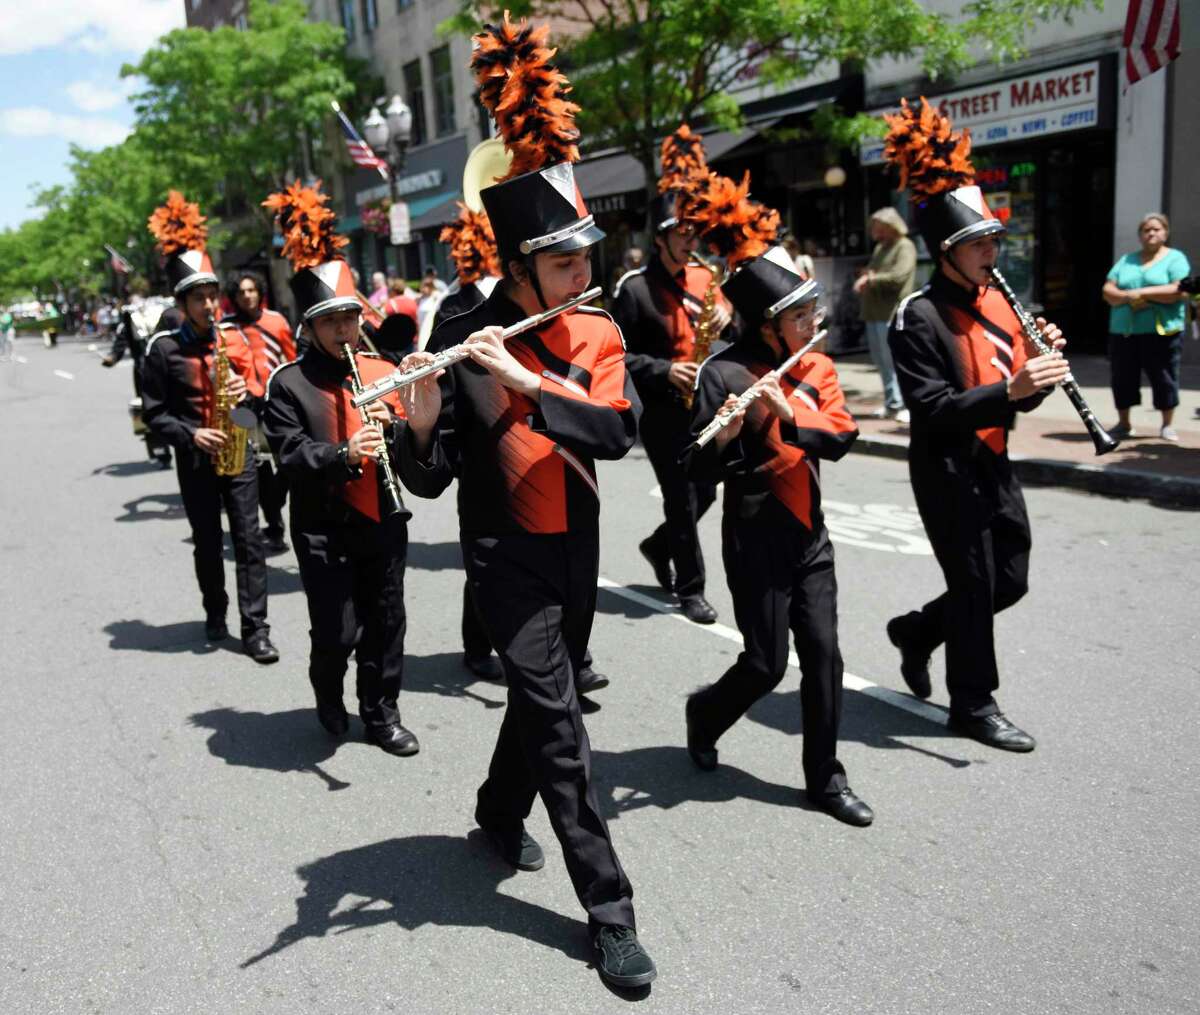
(361, 153)
(1151, 37)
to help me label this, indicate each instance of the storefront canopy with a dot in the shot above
(617, 172)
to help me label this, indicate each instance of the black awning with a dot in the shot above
(440, 214)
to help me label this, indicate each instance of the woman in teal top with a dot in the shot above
(1146, 325)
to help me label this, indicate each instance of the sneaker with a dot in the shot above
(621, 960)
(1169, 433)
(515, 846)
(1121, 431)
(901, 415)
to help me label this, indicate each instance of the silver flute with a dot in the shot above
(722, 419)
(458, 353)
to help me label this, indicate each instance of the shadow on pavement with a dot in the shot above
(186, 636)
(138, 468)
(865, 720)
(169, 507)
(443, 673)
(435, 556)
(423, 879)
(276, 741)
(608, 601)
(665, 777)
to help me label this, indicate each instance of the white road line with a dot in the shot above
(20, 359)
(885, 694)
(64, 375)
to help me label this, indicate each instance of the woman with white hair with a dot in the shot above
(1146, 325)
(886, 280)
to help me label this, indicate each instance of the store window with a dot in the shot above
(348, 19)
(370, 16)
(414, 95)
(443, 91)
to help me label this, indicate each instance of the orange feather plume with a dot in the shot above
(932, 158)
(526, 95)
(306, 224)
(472, 245)
(178, 225)
(731, 223)
(684, 167)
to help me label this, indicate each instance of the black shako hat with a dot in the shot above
(325, 289)
(664, 211)
(954, 216)
(188, 269)
(762, 288)
(541, 212)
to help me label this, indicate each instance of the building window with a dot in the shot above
(370, 15)
(403, 5)
(348, 19)
(414, 95)
(443, 91)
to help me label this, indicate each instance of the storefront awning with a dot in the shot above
(432, 216)
(617, 172)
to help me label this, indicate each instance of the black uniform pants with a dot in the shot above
(537, 595)
(204, 494)
(975, 518)
(664, 431)
(272, 494)
(353, 579)
(782, 579)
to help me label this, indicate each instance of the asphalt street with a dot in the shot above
(181, 836)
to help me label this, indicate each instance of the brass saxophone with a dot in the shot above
(231, 459)
(706, 331)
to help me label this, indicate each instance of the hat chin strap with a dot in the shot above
(534, 281)
(949, 256)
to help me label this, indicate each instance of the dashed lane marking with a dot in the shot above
(886, 695)
(64, 375)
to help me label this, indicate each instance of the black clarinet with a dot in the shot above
(395, 504)
(1101, 438)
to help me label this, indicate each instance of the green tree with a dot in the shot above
(641, 67)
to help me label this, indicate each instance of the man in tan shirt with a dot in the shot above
(887, 279)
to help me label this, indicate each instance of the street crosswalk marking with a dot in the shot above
(886, 695)
(64, 375)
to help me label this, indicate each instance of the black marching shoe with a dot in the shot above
(515, 846)
(994, 731)
(659, 562)
(588, 680)
(215, 629)
(620, 958)
(703, 751)
(485, 667)
(259, 648)
(332, 716)
(274, 543)
(698, 610)
(845, 806)
(914, 661)
(393, 738)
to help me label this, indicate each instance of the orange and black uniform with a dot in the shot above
(269, 337)
(177, 399)
(351, 553)
(777, 553)
(954, 350)
(528, 509)
(658, 313)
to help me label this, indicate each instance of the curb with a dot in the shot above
(1107, 482)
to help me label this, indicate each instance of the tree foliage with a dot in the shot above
(642, 67)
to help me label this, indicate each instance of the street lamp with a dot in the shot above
(390, 136)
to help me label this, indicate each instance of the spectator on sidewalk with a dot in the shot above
(1146, 325)
(802, 261)
(886, 280)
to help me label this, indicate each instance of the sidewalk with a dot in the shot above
(1050, 446)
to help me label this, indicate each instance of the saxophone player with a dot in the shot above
(179, 406)
(659, 308)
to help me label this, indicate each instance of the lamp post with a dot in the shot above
(389, 135)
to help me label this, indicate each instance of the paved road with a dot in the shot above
(181, 837)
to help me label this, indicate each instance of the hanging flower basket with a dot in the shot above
(374, 216)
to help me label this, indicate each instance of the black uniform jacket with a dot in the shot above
(954, 350)
(177, 382)
(658, 314)
(309, 419)
(771, 461)
(526, 466)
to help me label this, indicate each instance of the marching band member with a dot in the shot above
(269, 336)
(658, 307)
(964, 372)
(179, 403)
(777, 552)
(350, 530)
(521, 425)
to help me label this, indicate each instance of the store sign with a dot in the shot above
(404, 185)
(1019, 109)
(399, 224)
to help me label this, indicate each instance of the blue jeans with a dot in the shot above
(881, 356)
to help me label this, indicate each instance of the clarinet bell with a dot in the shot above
(1104, 441)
